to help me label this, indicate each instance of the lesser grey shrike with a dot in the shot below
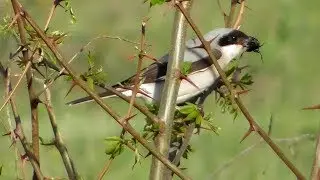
(226, 44)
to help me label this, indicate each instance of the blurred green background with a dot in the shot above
(285, 82)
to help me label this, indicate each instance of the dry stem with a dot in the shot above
(253, 125)
(169, 93)
(99, 101)
(32, 98)
(68, 163)
(19, 130)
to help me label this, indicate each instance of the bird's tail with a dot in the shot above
(86, 99)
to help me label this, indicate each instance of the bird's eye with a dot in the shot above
(232, 39)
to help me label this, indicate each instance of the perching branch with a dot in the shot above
(253, 125)
(99, 101)
(68, 163)
(170, 91)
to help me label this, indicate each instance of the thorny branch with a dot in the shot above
(18, 131)
(62, 71)
(32, 98)
(288, 141)
(99, 101)
(170, 92)
(240, 15)
(233, 6)
(28, 65)
(68, 163)
(105, 168)
(139, 67)
(253, 125)
(13, 138)
(315, 172)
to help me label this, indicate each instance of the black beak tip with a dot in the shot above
(252, 44)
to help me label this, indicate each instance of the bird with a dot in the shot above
(226, 45)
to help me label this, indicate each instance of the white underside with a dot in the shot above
(203, 79)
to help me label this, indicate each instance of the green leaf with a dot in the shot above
(113, 138)
(214, 128)
(199, 120)
(91, 59)
(114, 146)
(90, 83)
(156, 2)
(191, 116)
(188, 108)
(186, 68)
(1, 167)
(137, 157)
(46, 142)
(69, 9)
(246, 79)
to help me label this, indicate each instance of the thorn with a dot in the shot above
(210, 41)
(182, 76)
(312, 107)
(250, 130)
(70, 89)
(152, 58)
(24, 157)
(14, 20)
(243, 91)
(202, 45)
(270, 125)
(131, 58)
(13, 142)
(7, 134)
(126, 119)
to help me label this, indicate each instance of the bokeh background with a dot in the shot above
(285, 82)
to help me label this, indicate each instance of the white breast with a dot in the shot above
(203, 79)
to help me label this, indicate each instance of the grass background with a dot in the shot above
(286, 81)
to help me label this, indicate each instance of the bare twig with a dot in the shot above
(144, 110)
(170, 92)
(288, 141)
(19, 130)
(233, 6)
(13, 138)
(51, 81)
(68, 163)
(51, 13)
(105, 168)
(32, 98)
(253, 125)
(139, 67)
(240, 15)
(185, 142)
(99, 101)
(15, 87)
(315, 172)
(225, 17)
